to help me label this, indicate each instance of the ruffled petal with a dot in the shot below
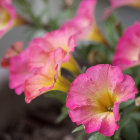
(109, 125)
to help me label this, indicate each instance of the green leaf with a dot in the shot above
(135, 115)
(117, 135)
(125, 104)
(110, 28)
(114, 30)
(81, 127)
(98, 136)
(84, 68)
(130, 131)
(81, 136)
(119, 29)
(61, 96)
(63, 115)
(53, 24)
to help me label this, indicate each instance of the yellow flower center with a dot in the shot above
(104, 102)
(4, 17)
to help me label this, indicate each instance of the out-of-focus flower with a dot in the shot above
(128, 48)
(83, 24)
(19, 71)
(11, 52)
(94, 98)
(119, 3)
(8, 17)
(48, 55)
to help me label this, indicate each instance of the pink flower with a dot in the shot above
(7, 16)
(47, 56)
(128, 48)
(119, 3)
(94, 98)
(40, 48)
(19, 71)
(83, 24)
(11, 52)
(48, 77)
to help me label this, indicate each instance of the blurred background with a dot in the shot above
(19, 120)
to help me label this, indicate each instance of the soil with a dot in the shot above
(34, 121)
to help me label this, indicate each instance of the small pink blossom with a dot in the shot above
(7, 16)
(11, 52)
(94, 98)
(83, 25)
(128, 48)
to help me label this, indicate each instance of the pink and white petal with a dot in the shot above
(128, 51)
(116, 111)
(87, 7)
(41, 51)
(19, 90)
(74, 100)
(37, 58)
(78, 94)
(94, 123)
(109, 125)
(19, 70)
(99, 75)
(126, 89)
(61, 38)
(115, 76)
(125, 64)
(81, 114)
(37, 85)
(44, 80)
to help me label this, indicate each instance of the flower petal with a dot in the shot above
(11, 52)
(128, 51)
(109, 125)
(8, 14)
(19, 71)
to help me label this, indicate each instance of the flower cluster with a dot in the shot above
(93, 97)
